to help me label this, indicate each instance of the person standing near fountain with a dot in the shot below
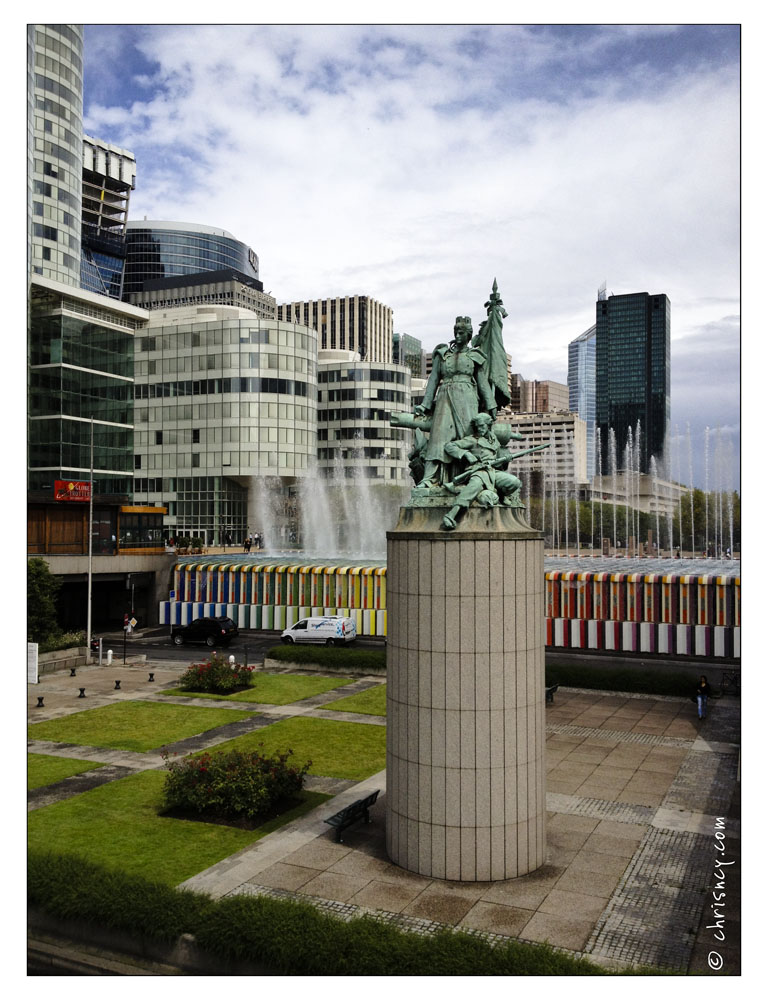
(457, 390)
(703, 692)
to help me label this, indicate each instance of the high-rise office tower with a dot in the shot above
(158, 249)
(55, 149)
(407, 350)
(633, 376)
(109, 176)
(349, 323)
(581, 387)
(80, 341)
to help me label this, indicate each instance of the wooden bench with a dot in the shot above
(551, 693)
(352, 813)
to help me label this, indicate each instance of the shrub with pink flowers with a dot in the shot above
(233, 785)
(217, 676)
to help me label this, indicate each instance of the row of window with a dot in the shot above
(361, 374)
(222, 332)
(172, 413)
(344, 395)
(352, 413)
(229, 434)
(175, 364)
(217, 386)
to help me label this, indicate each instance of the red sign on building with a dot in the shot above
(67, 490)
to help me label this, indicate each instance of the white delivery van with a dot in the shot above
(332, 630)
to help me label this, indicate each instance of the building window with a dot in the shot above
(158, 437)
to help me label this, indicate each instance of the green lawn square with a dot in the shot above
(44, 770)
(352, 750)
(372, 701)
(134, 725)
(273, 689)
(118, 825)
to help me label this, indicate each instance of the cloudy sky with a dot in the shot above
(416, 163)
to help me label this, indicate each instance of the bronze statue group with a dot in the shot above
(464, 457)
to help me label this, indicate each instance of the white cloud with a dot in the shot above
(405, 164)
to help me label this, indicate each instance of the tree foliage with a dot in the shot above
(42, 588)
(716, 523)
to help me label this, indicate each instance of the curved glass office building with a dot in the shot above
(169, 249)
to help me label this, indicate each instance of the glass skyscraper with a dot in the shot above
(55, 154)
(80, 344)
(581, 387)
(168, 249)
(109, 176)
(407, 350)
(633, 375)
(80, 369)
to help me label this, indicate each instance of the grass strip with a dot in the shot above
(118, 825)
(134, 725)
(287, 937)
(352, 750)
(334, 658)
(372, 701)
(43, 769)
(273, 689)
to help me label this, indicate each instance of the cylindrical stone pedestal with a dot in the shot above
(465, 695)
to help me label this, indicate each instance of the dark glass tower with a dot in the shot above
(633, 375)
(157, 250)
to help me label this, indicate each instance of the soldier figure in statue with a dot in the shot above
(485, 480)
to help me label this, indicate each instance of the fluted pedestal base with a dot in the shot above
(466, 796)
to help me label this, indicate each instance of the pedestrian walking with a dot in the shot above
(702, 693)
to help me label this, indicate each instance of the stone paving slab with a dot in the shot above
(76, 784)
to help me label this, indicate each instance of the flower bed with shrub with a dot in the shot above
(234, 785)
(217, 676)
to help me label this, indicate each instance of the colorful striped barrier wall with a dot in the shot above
(641, 613)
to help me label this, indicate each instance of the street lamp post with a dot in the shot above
(90, 551)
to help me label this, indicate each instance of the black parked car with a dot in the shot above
(211, 631)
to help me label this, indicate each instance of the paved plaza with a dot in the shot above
(635, 787)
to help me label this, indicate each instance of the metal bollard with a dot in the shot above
(72, 672)
(82, 693)
(109, 657)
(151, 677)
(40, 701)
(117, 685)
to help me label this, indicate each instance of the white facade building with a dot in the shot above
(348, 323)
(226, 417)
(564, 462)
(355, 400)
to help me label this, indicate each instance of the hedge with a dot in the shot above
(331, 657)
(606, 678)
(287, 936)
